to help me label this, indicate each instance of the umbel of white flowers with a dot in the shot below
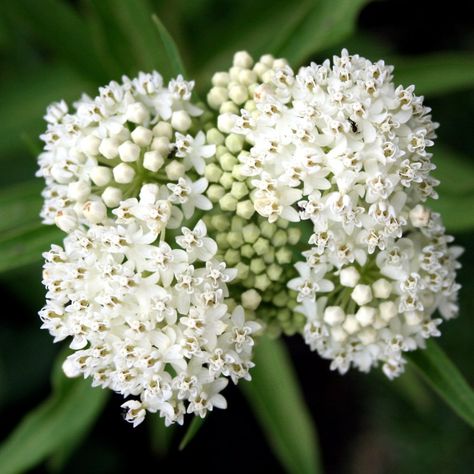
(341, 147)
(97, 158)
(148, 321)
(161, 311)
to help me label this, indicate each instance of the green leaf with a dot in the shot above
(20, 204)
(23, 237)
(278, 404)
(193, 428)
(456, 212)
(24, 102)
(57, 26)
(326, 23)
(25, 245)
(435, 74)
(138, 41)
(443, 376)
(160, 434)
(62, 420)
(455, 171)
(174, 58)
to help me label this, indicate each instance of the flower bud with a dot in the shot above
(217, 96)
(174, 170)
(334, 315)
(94, 211)
(109, 148)
(362, 294)
(153, 161)
(388, 310)
(112, 196)
(251, 299)
(142, 136)
(163, 129)
(181, 121)
(382, 288)
(66, 220)
(137, 113)
(365, 315)
(79, 190)
(349, 277)
(243, 60)
(129, 151)
(101, 175)
(123, 173)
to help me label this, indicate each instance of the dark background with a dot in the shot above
(366, 424)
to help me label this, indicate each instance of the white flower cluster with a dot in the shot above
(376, 311)
(96, 158)
(148, 320)
(341, 147)
(342, 143)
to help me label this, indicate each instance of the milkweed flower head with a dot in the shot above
(98, 156)
(363, 315)
(138, 285)
(341, 148)
(148, 320)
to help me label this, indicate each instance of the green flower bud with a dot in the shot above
(262, 282)
(247, 251)
(220, 222)
(214, 137)
(245, 209)
(228, 203)
(221, 240)
(250, 233)
(269, 257)
(249, 282)
(221, 150)
(235, 239)
(282, 223)
(250, 105)
(227, 161)
(267, 229)
(237, 174)
(239, 190)
(251, 299)
(283, 255)
(283, 315)
(215, 192)
(234, 143)
(228, 107)
(237, 223)
(280, 299)
(242, 270)
(274, 272)
(279, 238)
(257, 265)
(226, 181)
(213, 173)
(232, 257)
(261, 246)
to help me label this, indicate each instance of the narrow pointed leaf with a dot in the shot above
(444, 377)
(193, 428)
(327, 23)
(172, 53)
(61, 29)
(436, 74)
(62, 419)
(26, 244)
(161, 435)
(278, 405)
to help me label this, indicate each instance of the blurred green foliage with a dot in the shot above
(53, 49)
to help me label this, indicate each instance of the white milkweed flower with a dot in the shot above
(378, 307)
(136, 133)
(339, 145)
(147, 320)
